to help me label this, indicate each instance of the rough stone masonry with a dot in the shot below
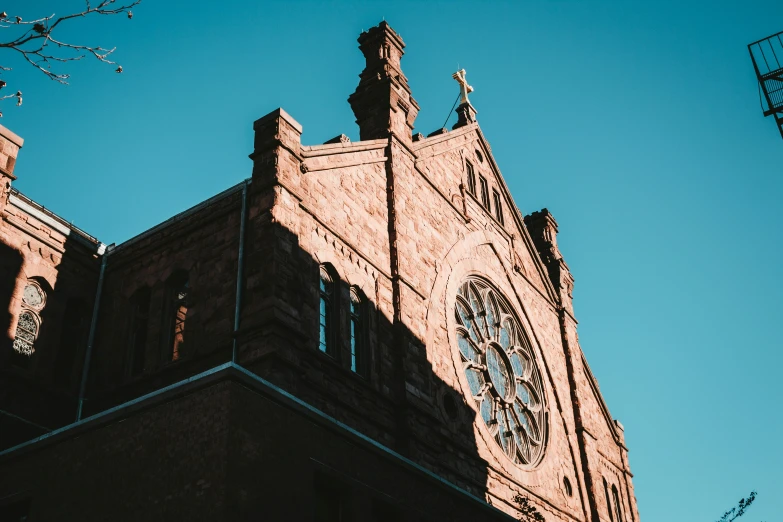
(354, 319)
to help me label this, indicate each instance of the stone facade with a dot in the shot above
(399, 222)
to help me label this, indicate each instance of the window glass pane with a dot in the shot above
(484, 192)
(358, 335)
(471, 178)
(498, 206)
(325, 334)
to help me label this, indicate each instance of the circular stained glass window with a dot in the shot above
(501, 371)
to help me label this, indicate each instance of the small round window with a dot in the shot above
(567, 486)
(501, 371)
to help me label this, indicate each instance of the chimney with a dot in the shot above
(382, 103)
(10, 144)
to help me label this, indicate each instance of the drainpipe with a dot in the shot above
(240, 270)
(91, 338)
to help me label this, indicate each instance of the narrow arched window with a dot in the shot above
(617, 506)
(471, 177)
(178, 289)
(29, 323)
(326, 311)
(608, 502)
(26, 333)
(359, 345)
(139, 325)
(484, 192)
(73, 336)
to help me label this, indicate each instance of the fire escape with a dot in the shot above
(767, 56)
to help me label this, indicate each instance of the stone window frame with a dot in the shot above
(618, 507)
(328, 311)
(471, 175)
(139, 323)
(74, 333)
(498, 206)
(358, 332)
(25, 336)
(529, 424)
(608, 501)
(175, 311)
(484, 184)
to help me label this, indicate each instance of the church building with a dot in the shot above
(359, 331)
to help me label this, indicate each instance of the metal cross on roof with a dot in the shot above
(464, 88)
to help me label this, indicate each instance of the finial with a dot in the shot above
(464, 88)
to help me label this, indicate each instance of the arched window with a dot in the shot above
(471, 177)
(73, 335)
(617, 506)
(359, 345)
(28, 326)
(608, 502)
(26, 333)
(139, 324)
(327, 336)
(178, 288)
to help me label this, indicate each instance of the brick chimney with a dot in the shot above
(382, 102)
(10, 144)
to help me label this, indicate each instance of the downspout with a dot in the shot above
(91, 338)
(240, 270)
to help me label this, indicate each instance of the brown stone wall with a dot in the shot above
(394, 219)
(204, 244)
(38, 392)
(167, 462)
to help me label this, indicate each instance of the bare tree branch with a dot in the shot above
(738, 510)
(33, 40)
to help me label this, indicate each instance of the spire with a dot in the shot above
(382, 102)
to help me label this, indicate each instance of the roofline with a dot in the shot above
(45, 215)
(179, 217)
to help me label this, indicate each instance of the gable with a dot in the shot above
(446, 159)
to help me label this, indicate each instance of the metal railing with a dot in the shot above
(767, 56)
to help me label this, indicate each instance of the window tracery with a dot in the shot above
(28, 325)
(501, 371)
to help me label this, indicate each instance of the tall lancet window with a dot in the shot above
(137, 339)
(608, 502)
(471, 177)
(178, 290)
(326, 310)
(618, 509)
(359, 351)
(28, 326)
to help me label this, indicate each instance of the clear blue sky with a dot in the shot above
(637, 124)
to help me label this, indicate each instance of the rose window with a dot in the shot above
(501, 371)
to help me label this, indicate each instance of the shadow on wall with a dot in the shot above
(10, 268)
(38, 391)
(304, 327)
(346, 358)
(335, 348)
